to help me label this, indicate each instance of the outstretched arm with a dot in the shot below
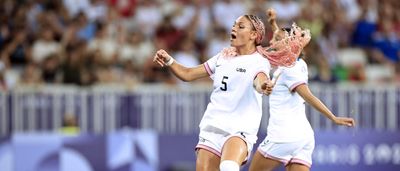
(305, 92)
(182, 72)
(276, 34)
(271, 14)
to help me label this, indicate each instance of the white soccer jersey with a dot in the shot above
(235, 105)
(288, 121)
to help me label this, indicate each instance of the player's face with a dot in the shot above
(279, 35)
(242, 32)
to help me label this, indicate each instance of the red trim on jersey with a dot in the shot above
(285, 162)
(299, 161)
(207, 67)
(294, 86)
(210, 149)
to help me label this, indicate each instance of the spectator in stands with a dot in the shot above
(51, 69)
(168, 33)
(76, 6)
(71, 21)
(86, 30)
(223, 17)
(73, 64)
(51, 15)
(70, 124)
(324, 72)
(3, 84)
(217, 41)
(126, 8)
(365, 26)
(31, 75)
(18, 51)
(312, 19)
(186, 55)
(153, 73)
(135, 49)
(341, 27)
(290, 138)
(46, 45)
(387, 43)
(203, 19)
(148, 16)
(130, 75)
(287, 10)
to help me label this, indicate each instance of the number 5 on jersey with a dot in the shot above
(225, 85)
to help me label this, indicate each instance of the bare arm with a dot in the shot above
(262, 84)
(271, 14)
(305, 92)
(180, 71)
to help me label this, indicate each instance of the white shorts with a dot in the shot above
(213, 141)
(293, 152)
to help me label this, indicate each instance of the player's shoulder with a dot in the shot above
(301, 62)
(302, 65)
(217, 56)
(258, 56)
(260, 59)
(299, 68)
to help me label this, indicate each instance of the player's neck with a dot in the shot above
(246, 50)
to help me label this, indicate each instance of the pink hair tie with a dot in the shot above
(258, 26)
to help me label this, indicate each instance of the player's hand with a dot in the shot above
(271, 14)
(161, 57)
(266, 87)
(344, 121)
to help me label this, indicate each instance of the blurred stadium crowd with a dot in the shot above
(87, 42)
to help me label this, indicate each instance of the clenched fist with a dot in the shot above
(162, 58)
(271, 14)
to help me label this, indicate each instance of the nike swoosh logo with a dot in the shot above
(217, 65)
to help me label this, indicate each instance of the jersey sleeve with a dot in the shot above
(262, 67)
(295, 76)
(210, 65)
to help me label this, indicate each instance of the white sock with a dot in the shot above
(228, 165)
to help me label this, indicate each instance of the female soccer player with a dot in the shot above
(290, 138)
(240, 76)
(230, 123)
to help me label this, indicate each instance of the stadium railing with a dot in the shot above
(173, 110)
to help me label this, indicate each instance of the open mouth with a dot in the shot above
(233, 36)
